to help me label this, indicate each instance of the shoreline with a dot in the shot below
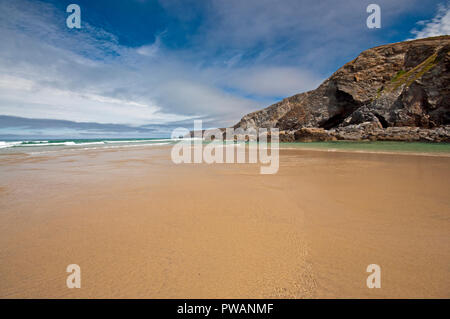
(433, 154)
(382, 147)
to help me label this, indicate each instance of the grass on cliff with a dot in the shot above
(399, 74)
(404, 77)
(407, 78)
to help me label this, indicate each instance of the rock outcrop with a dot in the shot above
(368, 132)
(399, 91)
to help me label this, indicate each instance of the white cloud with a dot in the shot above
(151, 50)
(148, 50)
(439, 25)
(240, 57)
(50, 72)
(22, 97)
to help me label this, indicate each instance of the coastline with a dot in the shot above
(366, 151)
(380, 147)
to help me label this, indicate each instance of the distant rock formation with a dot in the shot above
(399, 91)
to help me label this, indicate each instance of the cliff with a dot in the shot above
(399, 91)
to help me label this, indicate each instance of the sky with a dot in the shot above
(141, 68)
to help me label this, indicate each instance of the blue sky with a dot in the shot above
(143, 67)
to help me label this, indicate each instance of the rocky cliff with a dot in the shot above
(399, 91)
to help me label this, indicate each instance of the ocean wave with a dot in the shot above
(98, 148)
(8, 144)
(46, 144)
(4, 144)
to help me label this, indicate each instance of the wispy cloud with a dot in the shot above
(51, 72)
(439, 25)
(215, 60)
(151, 50)
(12, 127)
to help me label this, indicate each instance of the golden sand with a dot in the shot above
(140, 226)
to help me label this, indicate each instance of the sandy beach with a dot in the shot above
(140, 226)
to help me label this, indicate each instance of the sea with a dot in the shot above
(51, 145)
(42, 146)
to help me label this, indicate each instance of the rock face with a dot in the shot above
(368, 132)
(402, 85)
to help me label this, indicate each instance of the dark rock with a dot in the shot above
(307, 134)
(404, 84)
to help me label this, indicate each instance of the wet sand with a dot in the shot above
(140, 226)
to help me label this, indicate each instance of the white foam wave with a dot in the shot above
(9, 144)
(48, 144)
(98, 148)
